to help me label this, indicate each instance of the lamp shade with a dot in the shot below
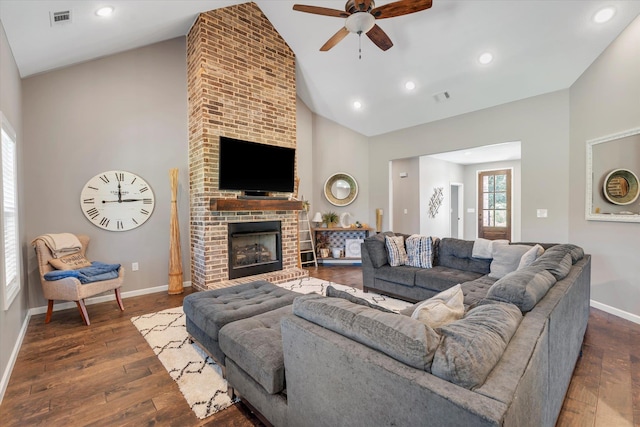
(317, 217)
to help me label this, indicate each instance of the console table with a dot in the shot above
(337, 239)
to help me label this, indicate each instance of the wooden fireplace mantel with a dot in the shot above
(254, 205)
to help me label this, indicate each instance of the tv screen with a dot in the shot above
(255, 168)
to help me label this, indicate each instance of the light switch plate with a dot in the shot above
(542, 213)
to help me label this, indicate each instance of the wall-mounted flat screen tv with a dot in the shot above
(255, 168)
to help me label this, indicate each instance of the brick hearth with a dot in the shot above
(241, 84)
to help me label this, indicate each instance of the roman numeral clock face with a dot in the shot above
(117, 200)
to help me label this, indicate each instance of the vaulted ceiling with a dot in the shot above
(538, 46)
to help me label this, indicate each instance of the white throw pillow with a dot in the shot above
(530, 256)
(395, 250)
(506, 259)
(483, 248)
(441, 309)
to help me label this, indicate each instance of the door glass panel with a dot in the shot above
(501, 183)
(488, 218)
(501, 218)
(501, 200)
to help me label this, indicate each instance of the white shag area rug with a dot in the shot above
(198, 376)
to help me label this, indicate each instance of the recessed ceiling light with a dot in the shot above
(105, 11)
(603, 15)
(485, 58)
(410, 85)
(357, 105)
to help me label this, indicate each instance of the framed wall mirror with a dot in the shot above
(613, 167)
(341, 189)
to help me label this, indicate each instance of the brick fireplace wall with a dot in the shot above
(241, 84)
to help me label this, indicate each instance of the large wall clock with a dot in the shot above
(117, 200)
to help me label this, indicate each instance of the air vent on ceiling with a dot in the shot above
(442, 96)
(61, 17)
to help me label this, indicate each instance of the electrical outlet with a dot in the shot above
(134, 266)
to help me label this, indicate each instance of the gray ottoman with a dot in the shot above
(207, 312)
(255, 362)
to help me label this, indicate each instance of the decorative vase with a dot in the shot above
(378, 220)
(324, 253)
(175, 254)
(336, 252)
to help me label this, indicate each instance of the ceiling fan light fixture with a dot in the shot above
(357, 105)
(409, 85)
(360, 22)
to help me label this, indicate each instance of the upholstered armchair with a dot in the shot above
(70, 288)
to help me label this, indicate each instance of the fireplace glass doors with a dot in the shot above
(254, 248)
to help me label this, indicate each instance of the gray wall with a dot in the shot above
(304, 152)
(541, 123)
(338, 149)
(436, 173)
(606, 100)
(12, 320)
(406, 196)
(126, 111)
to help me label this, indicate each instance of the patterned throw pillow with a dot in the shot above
(395, 250)
(419, 251)
(70, 262)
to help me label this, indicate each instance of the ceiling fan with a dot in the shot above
(361, 16)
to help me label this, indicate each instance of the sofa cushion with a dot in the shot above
(440, 278)
(396, 253)
(402, 338)
(577, 253)
(530, 256)
(476, 290)
(441, 309)
(336, 293)
(376, 248)
(506, 259)
(457, 253)
(472, 346)
(255, 345)
(419, 251)
(524, 287)
(557, 262)
(403, 274)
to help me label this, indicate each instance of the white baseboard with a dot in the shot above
(104, 298)
(63, 306)
(616, 312)
(14, 356)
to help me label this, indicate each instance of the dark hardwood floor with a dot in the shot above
(68, 374)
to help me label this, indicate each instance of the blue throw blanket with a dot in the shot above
(97, 272)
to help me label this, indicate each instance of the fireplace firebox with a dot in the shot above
(254, 248)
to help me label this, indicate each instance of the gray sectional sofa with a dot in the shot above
(336, 360)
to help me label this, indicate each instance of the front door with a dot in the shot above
(494, 204)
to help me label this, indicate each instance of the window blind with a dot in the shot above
(9, 210)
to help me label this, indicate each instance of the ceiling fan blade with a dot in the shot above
(380, 38)
(399, 8)
(337, 37)
(362, 5)
(321, 10)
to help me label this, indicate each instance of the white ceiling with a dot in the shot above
(539, 46)
(502, 152)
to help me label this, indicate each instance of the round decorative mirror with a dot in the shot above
(621, 187)
(340, 189)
